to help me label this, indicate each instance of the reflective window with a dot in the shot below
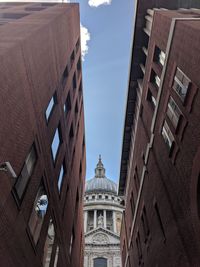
(173, 112)
(151, 99)
(65, 75)
(159, 56)
(38, 213)
(181, 84)
(155, 79)
(100, 262)
(26, 172)
(71, 242)
(74, 81)
(67, 105)
(50, 107)
(56, 143)
(60, 178)
(167, 135)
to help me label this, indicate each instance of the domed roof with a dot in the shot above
(100, 183)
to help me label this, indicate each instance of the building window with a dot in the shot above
(79, 66)
(173, 112)
(139, 248)
(93, 197)
(67, 105)
(181, 84)
(159, 56)
(65, 75)
(100, 262)
(71, 132)
(77, 45)
(60, 178)
(72, 57)
(167, 135)
(151, 99)
(145, 224)
(155, 79)
(56, 143)
(38, 213)
(71, 242)
(80, 90)
(74, 81)
(26, 172)
(49, 244)
(50, 107)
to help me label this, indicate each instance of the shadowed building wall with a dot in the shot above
(159, 176)
(41, 135)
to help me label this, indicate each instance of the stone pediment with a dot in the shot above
(101, 236)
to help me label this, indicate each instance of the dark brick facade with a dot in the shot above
(161, 184)
(34, 52)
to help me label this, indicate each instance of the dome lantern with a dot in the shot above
(100, 183)
(100, 170)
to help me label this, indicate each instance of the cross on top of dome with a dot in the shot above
(100, 170)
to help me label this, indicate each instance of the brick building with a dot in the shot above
(41, 136)
(160, 170)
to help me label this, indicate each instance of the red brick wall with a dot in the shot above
(34, 52)
(170, 185)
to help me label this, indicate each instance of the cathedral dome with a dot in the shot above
(100, 183)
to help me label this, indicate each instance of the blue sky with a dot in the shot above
(105, 77)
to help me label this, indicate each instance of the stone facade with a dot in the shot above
(102, 221)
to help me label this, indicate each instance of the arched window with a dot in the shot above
(100, 262)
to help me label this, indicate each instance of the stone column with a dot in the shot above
(95, 219)
(85, 221)
(104, 219)
(114, 222)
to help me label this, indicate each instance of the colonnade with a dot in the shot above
(95, 220)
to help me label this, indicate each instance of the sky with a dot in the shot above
(106, 34)
(105, 80)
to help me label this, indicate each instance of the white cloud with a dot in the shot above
(96, 3)
(85, 37)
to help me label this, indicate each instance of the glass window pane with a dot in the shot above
(55, 144)
(50, 108)
(60, 179)
(38, 213)
(30, 160)
(181, 84)
(173, 112)
(67, 105)
(26, 172)
(167, 135)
